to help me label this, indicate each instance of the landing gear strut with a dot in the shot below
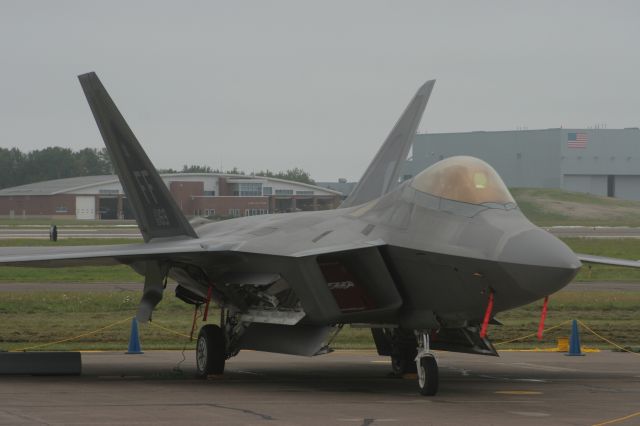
(210, 350)
(403, 354)
(427, 367)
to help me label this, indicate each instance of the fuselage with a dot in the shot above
(445, 256)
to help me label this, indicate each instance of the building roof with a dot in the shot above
(69, 185)
(344, 188)
(58, 186)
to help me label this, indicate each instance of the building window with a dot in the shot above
(249, 189)
(267, 190)
(62, 209)
(209, 212)
(304, 192)
(210, 193)
(284, 191)
(255, 212)
(234, 212)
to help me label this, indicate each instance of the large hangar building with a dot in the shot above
(597, 161)
(197, 194)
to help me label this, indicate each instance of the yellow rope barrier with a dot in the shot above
(589, 329)
(72, 338)
(169, 330)
(69, 339)
(605, 339)
(532, 334)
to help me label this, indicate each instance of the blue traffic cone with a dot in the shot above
(134, 339)
(574, 341)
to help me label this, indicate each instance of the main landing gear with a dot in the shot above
(403, 355)
(211, 351)
(427, 367)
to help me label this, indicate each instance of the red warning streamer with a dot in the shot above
(206, 307)
(487, 316)
(195, 321)
(543, 316)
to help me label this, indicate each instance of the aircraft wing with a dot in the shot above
(94, 255)
(239, 261)
(176, 251)
(602, 260)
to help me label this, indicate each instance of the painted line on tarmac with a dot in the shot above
(529, 413)
(253, 373)
(509, 379)
(618, 420)
(466, 373)
(538, 367)
(518, 392)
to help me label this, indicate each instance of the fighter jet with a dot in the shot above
(425, 263)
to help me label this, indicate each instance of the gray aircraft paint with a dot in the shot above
(423, 262)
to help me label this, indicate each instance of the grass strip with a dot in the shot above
(33, 318)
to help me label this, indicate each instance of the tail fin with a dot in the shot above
(384, 171)
(155, 210)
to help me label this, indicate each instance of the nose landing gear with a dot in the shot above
(427, 366)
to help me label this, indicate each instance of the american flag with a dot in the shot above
(577, 140)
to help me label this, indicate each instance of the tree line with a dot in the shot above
(19, 168)
(295, 174)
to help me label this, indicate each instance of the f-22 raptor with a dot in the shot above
(425, 263)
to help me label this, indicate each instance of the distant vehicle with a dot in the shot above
(425, 263)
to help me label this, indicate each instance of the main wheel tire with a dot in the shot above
(428, 379)
(210, 350)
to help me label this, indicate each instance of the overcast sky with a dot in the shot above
(318, 85)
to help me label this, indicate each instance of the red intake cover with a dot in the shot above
(346, 289)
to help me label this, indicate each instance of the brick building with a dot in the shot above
(197, 194)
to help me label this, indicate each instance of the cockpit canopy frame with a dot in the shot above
(465, 179)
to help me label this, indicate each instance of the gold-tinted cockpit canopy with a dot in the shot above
(465, 179)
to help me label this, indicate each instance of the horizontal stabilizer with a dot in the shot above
(154, 208)
(383, 173)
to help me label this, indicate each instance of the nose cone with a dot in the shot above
(540, 263)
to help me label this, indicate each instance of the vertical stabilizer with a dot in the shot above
(155, 209)
(383, 173)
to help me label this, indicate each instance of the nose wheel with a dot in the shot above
(210, 350)
(428, 376)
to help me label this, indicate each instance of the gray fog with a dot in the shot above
(318, 85)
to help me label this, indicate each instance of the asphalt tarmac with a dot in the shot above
(342, 388)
